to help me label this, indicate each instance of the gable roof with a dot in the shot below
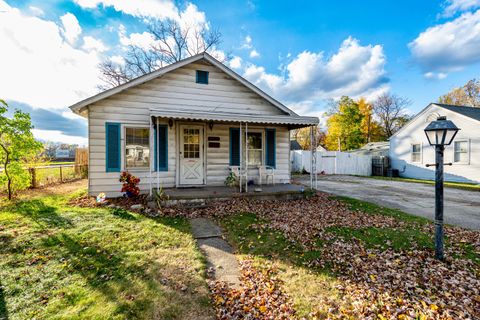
(470, 112)
(79, 106)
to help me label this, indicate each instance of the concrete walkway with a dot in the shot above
(462, 207)
(219, 254)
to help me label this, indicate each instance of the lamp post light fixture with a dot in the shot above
(440, 133)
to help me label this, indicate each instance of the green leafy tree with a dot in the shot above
(17, 146)
(344, 126)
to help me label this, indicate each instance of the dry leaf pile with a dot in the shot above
(375, 282)
(260, 295)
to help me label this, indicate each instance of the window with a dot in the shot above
(137, 148)
(202, 77)
(255, 150)
(460, 151)
(416, 152)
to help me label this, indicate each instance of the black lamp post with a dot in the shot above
(440, 133)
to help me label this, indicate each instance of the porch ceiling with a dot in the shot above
(288, 120)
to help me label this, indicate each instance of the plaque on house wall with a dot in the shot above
(213, 144)
(213, 138)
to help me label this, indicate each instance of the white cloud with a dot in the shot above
(40, 68)
(254, 54)
(247, 43)
(236, 62)
(71, 27)
(118, 60)
(58, 136)
(36, 11)
(450, 46)
(92, 44)
(159, 9)
(354, 70)
(435, 75)
(454, 6)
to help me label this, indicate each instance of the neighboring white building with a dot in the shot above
(410, 150)
(181, 126)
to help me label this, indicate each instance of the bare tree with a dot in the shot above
(172, 42)
(391, 113)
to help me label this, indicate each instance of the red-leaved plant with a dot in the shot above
(129, 184)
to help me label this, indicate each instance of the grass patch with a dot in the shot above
(455, 185)
(385, 238)
(245, 232)
(74, 263)
(371, 208)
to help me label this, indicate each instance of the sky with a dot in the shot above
(303, 53)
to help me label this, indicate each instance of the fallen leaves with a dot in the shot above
(260, 295)
(377, 282)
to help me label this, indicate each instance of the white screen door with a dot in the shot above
(191, 155)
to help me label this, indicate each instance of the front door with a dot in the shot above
(191, 155)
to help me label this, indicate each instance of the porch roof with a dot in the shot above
(290, 120)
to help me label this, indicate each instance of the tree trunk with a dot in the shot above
(9, 180)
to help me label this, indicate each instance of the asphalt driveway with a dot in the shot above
(462, 207)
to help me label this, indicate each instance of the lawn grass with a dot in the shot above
(67, 262)
(455, 185)
(396, 238)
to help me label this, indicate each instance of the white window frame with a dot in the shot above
(150, 153)
(468, 151)
(421, 152)
(262, 132)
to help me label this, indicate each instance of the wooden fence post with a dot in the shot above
(61, 175)
(34, 178)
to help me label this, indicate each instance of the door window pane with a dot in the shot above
(191, 143)
(137, 148)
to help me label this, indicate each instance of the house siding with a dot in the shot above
(400, 145)
(177, 90)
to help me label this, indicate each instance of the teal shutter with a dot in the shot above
(112, 143)
(155, 151)
(270, 137)
(234, 146)
(162, 152)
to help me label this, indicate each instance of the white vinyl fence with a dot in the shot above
(333, 162)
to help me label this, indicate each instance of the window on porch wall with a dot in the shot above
(137, 148)
(255, 149)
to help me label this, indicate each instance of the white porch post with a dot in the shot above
(240, 164)
(156, 155)
(246, 157)
(311, 157)
(151, 162)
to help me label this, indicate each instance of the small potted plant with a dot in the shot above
(130, 184)
(231, 180)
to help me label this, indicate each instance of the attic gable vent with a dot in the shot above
(202, 77)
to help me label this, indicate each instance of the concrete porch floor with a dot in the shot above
(206, 193)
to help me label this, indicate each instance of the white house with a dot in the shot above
(186, 124)
(410, 151)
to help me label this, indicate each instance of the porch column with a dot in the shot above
(155, 156)
(240, 167)
(150, 155)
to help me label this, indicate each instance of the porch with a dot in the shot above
(205, 194)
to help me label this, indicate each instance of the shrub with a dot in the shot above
(130, 184)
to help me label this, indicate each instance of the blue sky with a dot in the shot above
(303, 53)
